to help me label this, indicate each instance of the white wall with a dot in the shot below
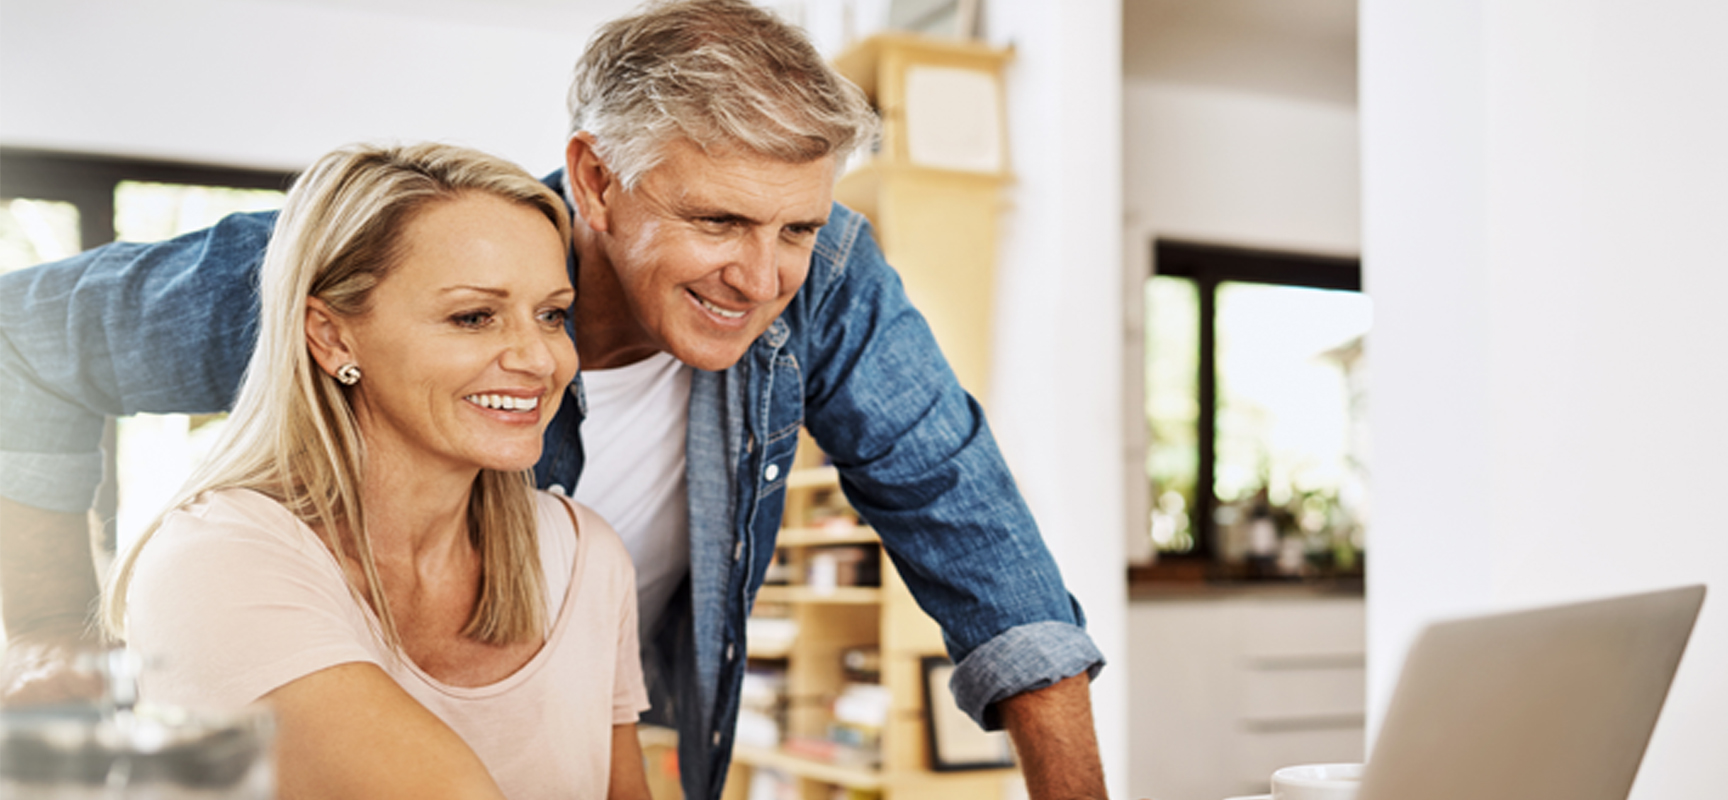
(1057, 375)
(1231, 167)
(1543, 241)
(276, 83)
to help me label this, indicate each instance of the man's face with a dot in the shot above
(705, 252)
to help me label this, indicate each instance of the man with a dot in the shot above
(724, 302)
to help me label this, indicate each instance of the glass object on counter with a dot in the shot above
(114, 747)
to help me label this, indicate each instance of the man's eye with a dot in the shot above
(472, 319)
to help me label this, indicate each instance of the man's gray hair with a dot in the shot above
(724, 74)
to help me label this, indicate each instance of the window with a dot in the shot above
(53, 205)
(1255, 406)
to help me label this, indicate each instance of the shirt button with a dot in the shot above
(729, 652)
(716, 738)
(772, 472)
(738, 550)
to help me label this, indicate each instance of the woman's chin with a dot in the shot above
(512, 461)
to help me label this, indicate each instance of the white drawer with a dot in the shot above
(1324, 627)
(1290, 692)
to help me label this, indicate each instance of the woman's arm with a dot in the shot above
(629, 776)
(349, 731)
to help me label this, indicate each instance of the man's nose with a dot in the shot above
(755, 269)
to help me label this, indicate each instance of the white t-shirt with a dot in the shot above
(633, 475)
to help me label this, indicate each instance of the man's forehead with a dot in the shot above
(731, 183)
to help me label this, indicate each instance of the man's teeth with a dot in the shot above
(721, 311)
(504, 402)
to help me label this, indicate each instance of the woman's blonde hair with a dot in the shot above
(292, 435)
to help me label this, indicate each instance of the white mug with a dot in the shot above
(1313, 782)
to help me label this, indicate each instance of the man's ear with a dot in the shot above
(326, 337)
(589, 179)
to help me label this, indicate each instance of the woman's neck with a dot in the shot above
(414, 516)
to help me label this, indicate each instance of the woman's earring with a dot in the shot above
(348, 374)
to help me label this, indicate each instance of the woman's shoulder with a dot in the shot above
(232, 517)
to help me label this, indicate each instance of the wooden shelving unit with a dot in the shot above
(829, 622)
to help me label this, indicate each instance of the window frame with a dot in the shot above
(88, 181)
(1208, 266)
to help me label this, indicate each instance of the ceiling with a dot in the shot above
(1303, 49)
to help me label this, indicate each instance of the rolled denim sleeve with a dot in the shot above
(918, 462)
(121, 329)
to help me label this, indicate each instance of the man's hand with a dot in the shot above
(1053, 734)
(48, 589)
(45, 669)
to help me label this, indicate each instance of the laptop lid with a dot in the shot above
(1554, 703)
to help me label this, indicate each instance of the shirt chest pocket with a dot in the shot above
(782, 415)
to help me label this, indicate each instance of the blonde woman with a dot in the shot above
(365, 552)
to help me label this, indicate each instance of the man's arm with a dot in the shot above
(47, 588)
(120, 329)
(918, 462)
(1057, 744)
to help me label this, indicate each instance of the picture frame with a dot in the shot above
(956, 742)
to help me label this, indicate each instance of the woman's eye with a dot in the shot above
(554, 317)
(472, 319)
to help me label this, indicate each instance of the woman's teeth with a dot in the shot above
(718, 310)
(504, 402)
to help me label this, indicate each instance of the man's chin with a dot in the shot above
(709, 355)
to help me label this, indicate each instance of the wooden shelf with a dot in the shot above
(816, 537)
(936, 220)
(839, 595)
(837, 774)
(813, 478)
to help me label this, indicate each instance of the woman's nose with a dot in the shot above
(530, 352)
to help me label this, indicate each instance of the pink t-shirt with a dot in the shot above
(234, 597)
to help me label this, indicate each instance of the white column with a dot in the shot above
(1056, 399)
(1544, 209)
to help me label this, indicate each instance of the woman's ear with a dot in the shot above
(589, 179)
(326, 337)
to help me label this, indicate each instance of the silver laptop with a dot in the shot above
(1555, 703)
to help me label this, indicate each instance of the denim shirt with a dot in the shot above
(169, 327)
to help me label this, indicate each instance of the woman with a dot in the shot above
(364, 552)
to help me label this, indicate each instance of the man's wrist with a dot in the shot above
(1053, 733)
